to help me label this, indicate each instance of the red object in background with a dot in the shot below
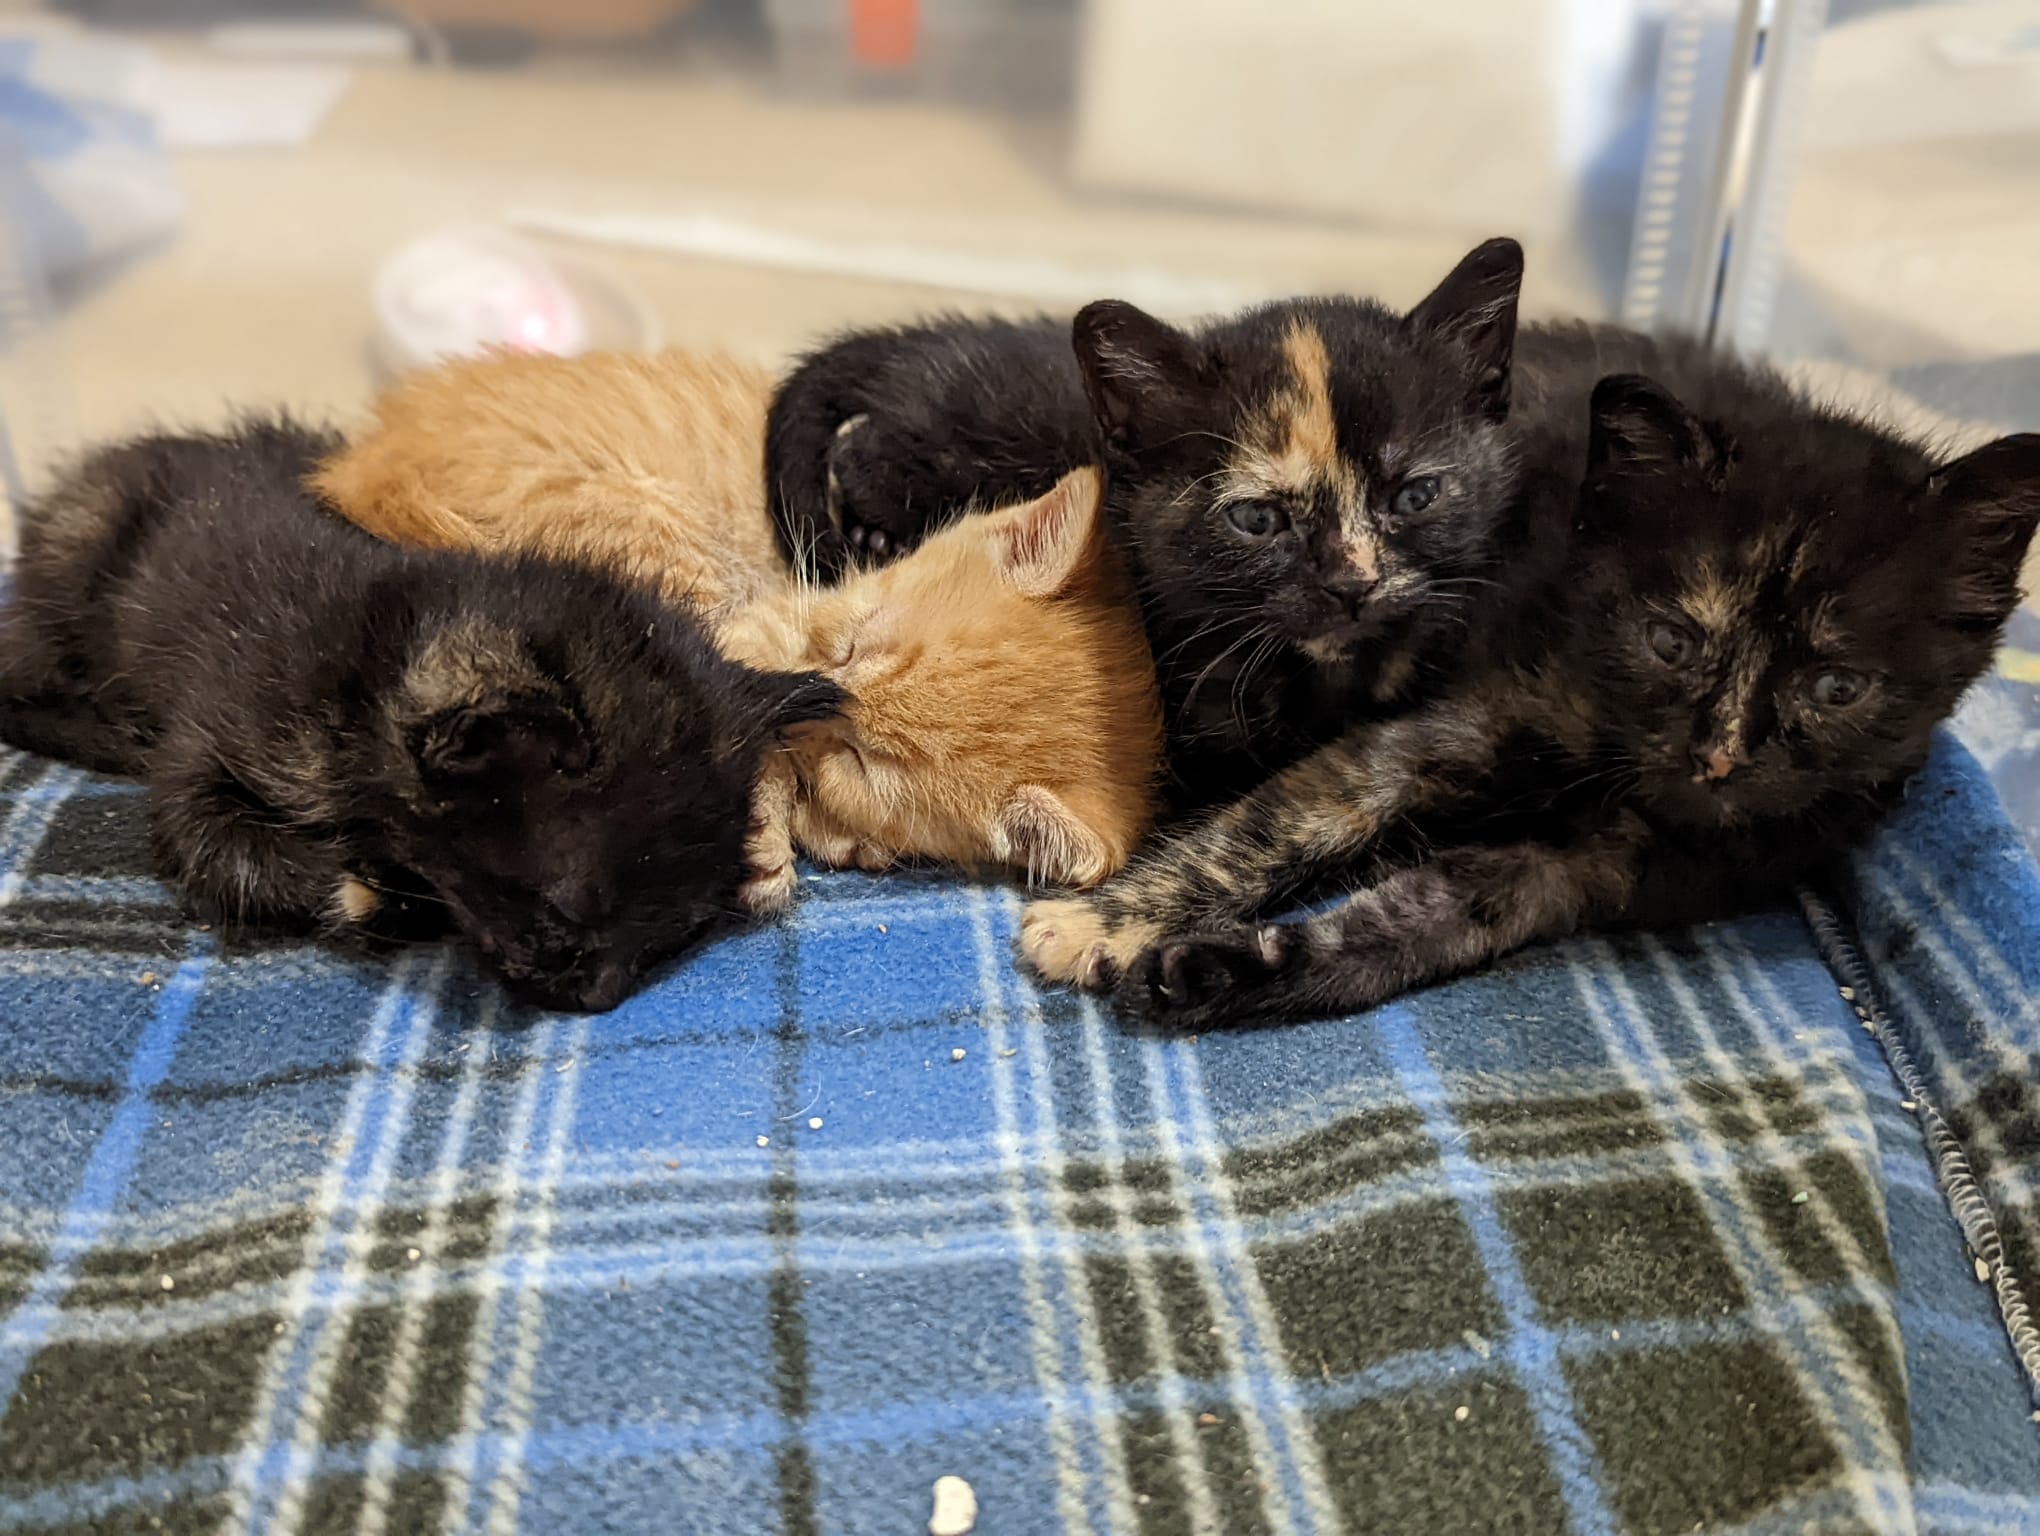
(883, 32)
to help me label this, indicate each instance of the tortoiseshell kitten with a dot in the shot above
(343, 736)
(1726, 656)
(1312, 495)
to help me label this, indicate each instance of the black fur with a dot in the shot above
(547, 758)
(1266, 644)
(1736, 622)
(881, 436)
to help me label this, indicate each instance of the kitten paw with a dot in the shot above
(868, 500)
(769, 891)
(1072, 941)
(1196, 981)
(874, 858)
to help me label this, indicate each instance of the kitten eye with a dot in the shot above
(1838, 688)
(1414, 495)
(1671, 643)
(1257, 519)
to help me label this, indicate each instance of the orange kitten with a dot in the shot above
(1004, 697)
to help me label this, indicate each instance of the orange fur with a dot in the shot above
(1005, 704)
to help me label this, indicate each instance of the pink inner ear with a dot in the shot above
(1039, 545)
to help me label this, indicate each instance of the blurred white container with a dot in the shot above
(1478, 116)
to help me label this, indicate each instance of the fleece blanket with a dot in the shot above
(1717, 1230)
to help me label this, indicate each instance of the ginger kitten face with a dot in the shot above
(1003, 699)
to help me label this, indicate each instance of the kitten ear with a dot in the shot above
(1145, 378)
(1038, 547)
(1997, 489)
(1036, 831)
(472, 741)
(1474, 308)
(1639, 425)
(789, 705)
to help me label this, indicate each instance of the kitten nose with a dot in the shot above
(1350, 587)
(605, 989)
(584, 903)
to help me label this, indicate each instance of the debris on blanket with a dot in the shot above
(955, 1511)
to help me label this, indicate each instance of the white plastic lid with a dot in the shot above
(458, 291)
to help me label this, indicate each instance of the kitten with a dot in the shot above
(1311, 495)
(1003, 702)
(1001, 719)
(647, 462)
(1728, 649)
(344, 736)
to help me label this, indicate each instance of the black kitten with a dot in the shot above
(343, 735)
(1312, 495)
(1725, 654)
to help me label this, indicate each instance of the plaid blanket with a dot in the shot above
(1637, 1235)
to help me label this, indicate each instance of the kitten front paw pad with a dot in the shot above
(1072, 941)
(1191, 981)
(769, 891)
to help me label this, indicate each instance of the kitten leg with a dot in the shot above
(74, 729)
(825, 840)
(802, 429)
(1326, 811)
(237, 859)
(768, 851)
(57, 711)
(1452, 914)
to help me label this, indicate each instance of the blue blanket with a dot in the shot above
(1637, 1235)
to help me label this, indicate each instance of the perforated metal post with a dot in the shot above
(1708, 244)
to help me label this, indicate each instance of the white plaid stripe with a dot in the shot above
(465, 1449)
(1044, 1340)
(1233, 1328)
(1816, 1349)
(1851, 1127)
(508, 1487)
(1139, 1263)
(361, 1240)
(1981, 1132)
(420, 1282)
(326, 1205)
(1988, 957)
(22, 833)
(1260, 1339)
(1053, 1164)
(595, 1265)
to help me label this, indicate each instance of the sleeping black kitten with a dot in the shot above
(1311, 496)
(342, 735)
(1723, 656)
